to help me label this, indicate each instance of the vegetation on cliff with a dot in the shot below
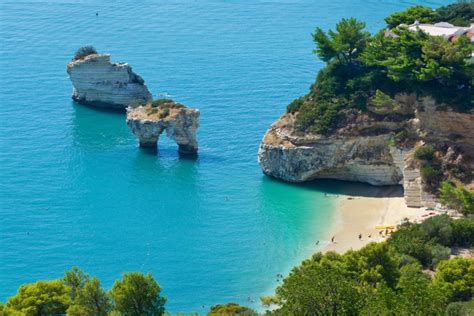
(84, 52)
(362, 68)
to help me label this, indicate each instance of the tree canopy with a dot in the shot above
(137, 294)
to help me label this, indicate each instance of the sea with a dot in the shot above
(75, 188)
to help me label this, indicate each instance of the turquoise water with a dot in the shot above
(76, 190)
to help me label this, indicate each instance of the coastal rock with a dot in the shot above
(99, 82)
(297, 159)
(148, 121)
(365, 150)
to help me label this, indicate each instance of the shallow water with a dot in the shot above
(76, 190)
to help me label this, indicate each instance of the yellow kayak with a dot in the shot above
(384, 227)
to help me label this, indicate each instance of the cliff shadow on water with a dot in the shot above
(348, 188)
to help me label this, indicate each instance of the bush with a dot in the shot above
(431, 176)
(463, 232)
(84, 51)
(231, 309)
(460, 309)
(425, 152)
(456, 277)
(294, 106)
(458, 198)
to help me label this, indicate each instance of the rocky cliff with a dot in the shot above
(370, 147)
(148, 121)
(99, 82)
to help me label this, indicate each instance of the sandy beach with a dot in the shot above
(361, 214)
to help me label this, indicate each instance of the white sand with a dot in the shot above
(359, 215)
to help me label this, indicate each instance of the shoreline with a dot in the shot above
(357, 214)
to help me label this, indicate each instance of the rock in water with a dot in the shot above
(98, 82)
(148, 121)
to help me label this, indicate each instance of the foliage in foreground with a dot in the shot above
(387, 278)
(78, 294)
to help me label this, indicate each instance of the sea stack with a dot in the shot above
(149, 120)
(99, 82)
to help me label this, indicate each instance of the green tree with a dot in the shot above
(230, 309)
(91, 299)
(456, 277)
(444, 61)
(463, 232)
(344, 44)
(137, 294)
(75, 279)
(417, 293)
(319, 288)
(374, 263)
(460, 13)
(41, 298)
(410, 15)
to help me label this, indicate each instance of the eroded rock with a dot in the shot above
(98, 82)
(365, 148)
(148, 122)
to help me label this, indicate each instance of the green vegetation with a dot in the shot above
(231, 309)
(362, 69)
(84, 52)
(457, 198)
(410, 15)
(425, 152)
(386, 278)
(459, 14)
(78, 294)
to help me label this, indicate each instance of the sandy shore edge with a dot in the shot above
(360, 215)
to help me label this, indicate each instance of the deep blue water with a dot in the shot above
(76, 190)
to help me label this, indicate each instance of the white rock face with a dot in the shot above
(99, 82)
(363, 159)
(147, 123)
(363, 150)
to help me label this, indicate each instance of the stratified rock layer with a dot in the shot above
(147, 122)
(98, 82)
(364, 150)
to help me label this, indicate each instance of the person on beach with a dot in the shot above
(360, 236)
(332, 239)
(370, 236)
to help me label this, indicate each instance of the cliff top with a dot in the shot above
(162, 109)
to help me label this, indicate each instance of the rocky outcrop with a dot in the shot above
(365, 149)
(148, 121)
(98, 82)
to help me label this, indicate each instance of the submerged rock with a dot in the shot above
(98, 82)
(148, 121)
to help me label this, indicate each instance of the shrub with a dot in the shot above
(456, 277)
(231, 309)
(84, 51)
(384, 103)
(460, 308)
(463, 232)
(425, 152)
(458, 198)
(431, 176)
(294, 106)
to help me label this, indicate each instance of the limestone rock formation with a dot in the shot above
(99, 82)
(365, 149)
(148, 121)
